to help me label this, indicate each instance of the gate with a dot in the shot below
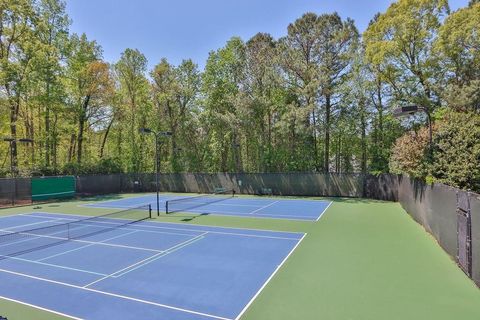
(464, 233)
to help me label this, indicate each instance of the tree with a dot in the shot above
(458, 46)
(175, 91)
(298, 57)
(399, 44)
(134, 90)
(263, 100)
(223, 74)
(316, 54)
(18, 47)
(337, 41)
(52, 31)
(354, 114)
(90, 86)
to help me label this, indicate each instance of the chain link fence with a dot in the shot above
(287, 184)
(436, 208)
(432, 206)
(14, 192)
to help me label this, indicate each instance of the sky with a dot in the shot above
(190, 29)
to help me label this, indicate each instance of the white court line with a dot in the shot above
(129, 227)
(120, 208)
(49, 264)
(53, 265)
(31, 224)
(186, 241)
(31, 238)
(35, 237)
(114, 245)
(247, 214)
(115, 295)
(324, 210)
(145, 225)
(178, 247)
(14, 215)
(40, 308)
(85, 246)
(268, 205)
(234, 204)
(221, 203)
(141, 204)
(270, 278)
(182, 229)
(146, 261)
(127, 198)
(99, 201)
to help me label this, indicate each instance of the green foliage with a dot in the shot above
(457, 151)
(410, 154)
(473, 2)
(464, 97)
(103, 166)
(399, 43)
(459, 42)
(458, 46)
(135, 108)
(317, 99)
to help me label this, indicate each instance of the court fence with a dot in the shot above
(14, 192)
(451, 215)
(25, 191)
(292, 184)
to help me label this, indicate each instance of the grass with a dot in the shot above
(363, 260)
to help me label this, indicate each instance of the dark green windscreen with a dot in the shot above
(53, 188)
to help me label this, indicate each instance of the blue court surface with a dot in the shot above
(290, 209)
(146, 270)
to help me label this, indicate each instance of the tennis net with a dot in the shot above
(25, 241)
(189, 203)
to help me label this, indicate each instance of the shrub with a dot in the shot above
(410, 153)
(456, 159)
(102, 166)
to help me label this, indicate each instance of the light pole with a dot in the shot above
(158, 135)
(411, 110)
(13, 169)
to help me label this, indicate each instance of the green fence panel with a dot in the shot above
(47, 188)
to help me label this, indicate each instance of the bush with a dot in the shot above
(103, 166)
(109, 166)
(410, 154)
(456, 159)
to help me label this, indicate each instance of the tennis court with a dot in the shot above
(276, 208)
(111, 268)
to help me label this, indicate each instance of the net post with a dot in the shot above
(150, 211)
(166, 207)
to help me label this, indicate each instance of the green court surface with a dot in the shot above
(363, 259)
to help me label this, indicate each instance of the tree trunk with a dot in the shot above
(363, 123)
(380, 114)
(54, 143)
(14, 108)
(328, 107)
(47, 127)
(81, 128)
(105, 136)
(314, 132)
(71, 149)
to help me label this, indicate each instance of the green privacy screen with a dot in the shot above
(47, 188)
